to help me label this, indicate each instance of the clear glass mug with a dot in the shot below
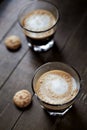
(39, 40)
(56, 109)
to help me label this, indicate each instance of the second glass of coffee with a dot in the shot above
(38, 20)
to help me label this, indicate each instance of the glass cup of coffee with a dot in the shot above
(56, 86)
(39, 20)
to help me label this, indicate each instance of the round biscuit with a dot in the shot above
(13, 42)
(22, 98)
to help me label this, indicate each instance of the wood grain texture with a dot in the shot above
(17, 69)
(20, 79)
(71, 14)
(77, 48)
(9, 60)
(9, 10)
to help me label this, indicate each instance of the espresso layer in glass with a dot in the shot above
(36, 23)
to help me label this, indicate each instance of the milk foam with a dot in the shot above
(57, 84)
(53, 87)
(39, 20)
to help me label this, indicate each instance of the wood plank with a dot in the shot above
(75, 52)
(36, 117)
(9, 60)
(71, 13)
(20, 79)
(4, 117)
(9, 10)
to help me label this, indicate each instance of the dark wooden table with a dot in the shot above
(17, 68)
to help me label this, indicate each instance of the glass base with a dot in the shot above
(42, 48)
(58, 113)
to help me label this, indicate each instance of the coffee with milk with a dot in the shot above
(38, 25)
(56, 87)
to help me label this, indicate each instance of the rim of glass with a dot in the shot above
(24, 8)
(76, 72)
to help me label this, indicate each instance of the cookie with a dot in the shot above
(22, 98)
(13, 42)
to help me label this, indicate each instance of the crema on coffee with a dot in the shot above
(56, 87)
(37, 21)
